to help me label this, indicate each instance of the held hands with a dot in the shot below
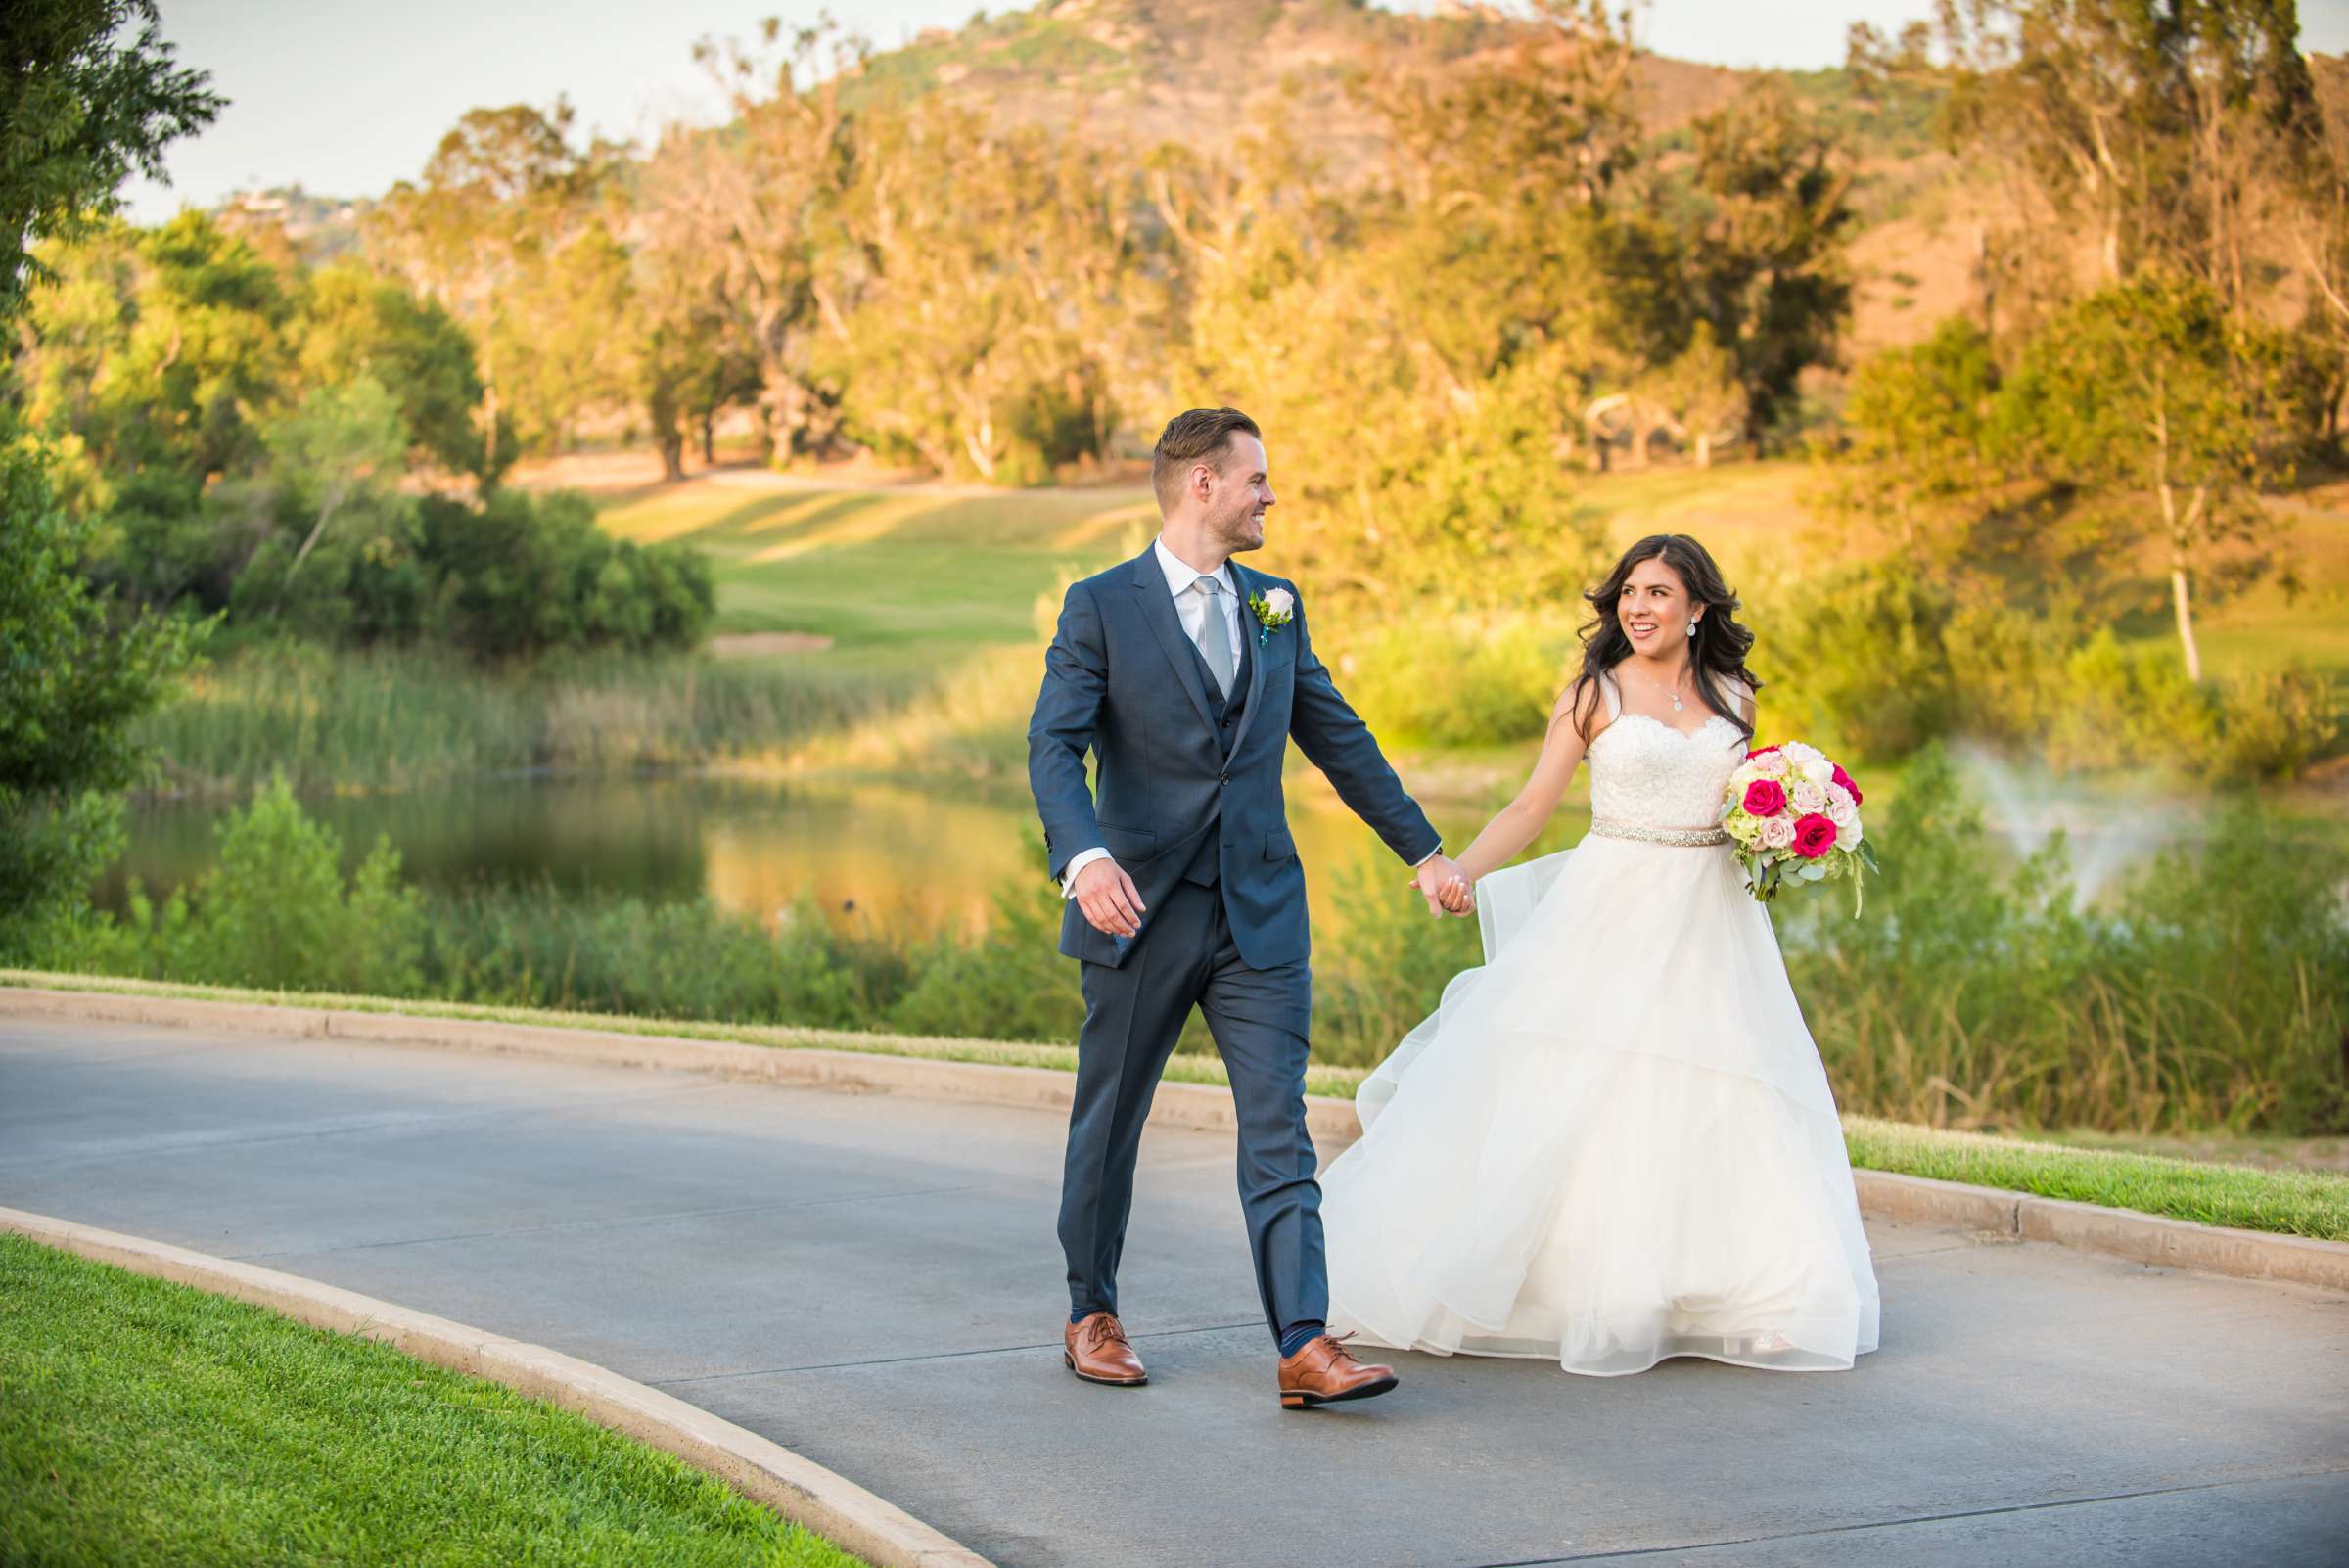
(1108, 898)
(1446, 889)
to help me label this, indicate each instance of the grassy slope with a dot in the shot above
(912, 574)
(2289, 1201)
(892, 576)
(147, 1423)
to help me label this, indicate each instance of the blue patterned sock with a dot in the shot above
(1077, 1315)
(1300, 1335)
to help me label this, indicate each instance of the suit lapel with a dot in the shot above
(1157, 608)
(1249, 587)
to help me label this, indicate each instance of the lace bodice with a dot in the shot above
(1645, 773)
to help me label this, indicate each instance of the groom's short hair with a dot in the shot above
(1189, 435)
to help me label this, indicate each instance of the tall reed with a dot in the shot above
(330, 718)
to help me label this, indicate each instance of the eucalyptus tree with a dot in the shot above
(761, 198)
(2166, 131)
(498, 199)
(2168, 417)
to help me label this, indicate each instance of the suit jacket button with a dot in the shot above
(1225, 779)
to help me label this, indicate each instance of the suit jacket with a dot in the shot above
(1121, 680)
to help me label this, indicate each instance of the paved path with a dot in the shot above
(873, 1281)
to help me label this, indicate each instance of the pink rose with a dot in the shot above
(1765, 796)
(1778, 833)
(1814, 836)
(1845, 779)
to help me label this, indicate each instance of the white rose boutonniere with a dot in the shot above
(1273, 611)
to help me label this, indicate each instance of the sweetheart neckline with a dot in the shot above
(1668, 729)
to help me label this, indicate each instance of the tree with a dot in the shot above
(83, 109)
(763, 197)
(2164, 131)
(1923, 455)
(988, 265)
(1768, 258)
(340, 440)
(72, 679)
(354, 322)
(563, 332)
(148, 360)
(500, 196)
(2146, 390)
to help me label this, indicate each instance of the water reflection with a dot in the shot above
(913, 859)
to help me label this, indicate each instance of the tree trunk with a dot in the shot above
(1704, 450)
(710, 438)
(2181, 601)
(333, 500)
(673, 454)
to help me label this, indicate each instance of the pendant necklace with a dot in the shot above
(1673, 694)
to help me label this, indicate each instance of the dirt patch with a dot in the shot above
(763, 644)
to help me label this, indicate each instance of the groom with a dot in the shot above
(1185, 674)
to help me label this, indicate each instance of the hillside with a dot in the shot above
(1137, 72)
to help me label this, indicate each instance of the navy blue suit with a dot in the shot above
(1187, 800)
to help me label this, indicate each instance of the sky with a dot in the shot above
(344, 97)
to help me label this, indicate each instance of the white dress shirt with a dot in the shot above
(1191, 609)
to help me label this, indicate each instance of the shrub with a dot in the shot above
(2212, 991)
(675, 960)
(1459, 681)
(277, 913)
(522, 574)
(2272, 726)
(1011, 983)
(1381, 966)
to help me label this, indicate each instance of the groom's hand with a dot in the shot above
(1108, 898)
(1439, 882)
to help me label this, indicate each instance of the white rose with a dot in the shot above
(1778, 832)
(1802, 753)
(1847, 827)
(1839, 799)
(1818, 770)
(1769, 764)
(1280, 601)
(1807, 796)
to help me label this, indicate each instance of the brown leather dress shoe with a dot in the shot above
(1098, 1353)
(1326, 1372)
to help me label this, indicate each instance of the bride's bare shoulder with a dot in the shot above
(1585, 709)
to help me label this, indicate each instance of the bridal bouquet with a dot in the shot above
(1794, 816)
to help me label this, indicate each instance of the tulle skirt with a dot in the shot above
(1611, 1144)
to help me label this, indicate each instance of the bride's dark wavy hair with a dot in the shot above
(1716, 653)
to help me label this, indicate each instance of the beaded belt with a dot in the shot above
(1687, 838)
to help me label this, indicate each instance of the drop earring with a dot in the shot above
(1692, 628)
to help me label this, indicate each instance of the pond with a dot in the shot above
(910, 858)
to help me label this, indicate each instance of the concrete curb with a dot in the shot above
(796, 1487)
(2122, 1233)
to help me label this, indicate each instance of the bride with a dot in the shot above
(1614, 1142)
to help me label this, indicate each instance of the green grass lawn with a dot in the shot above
(147, 1423)
(2301, 1203)
(891, 575)
(2296, 1203)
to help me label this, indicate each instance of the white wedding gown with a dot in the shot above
(1614, 1142)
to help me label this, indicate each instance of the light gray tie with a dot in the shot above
(1214, 637)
